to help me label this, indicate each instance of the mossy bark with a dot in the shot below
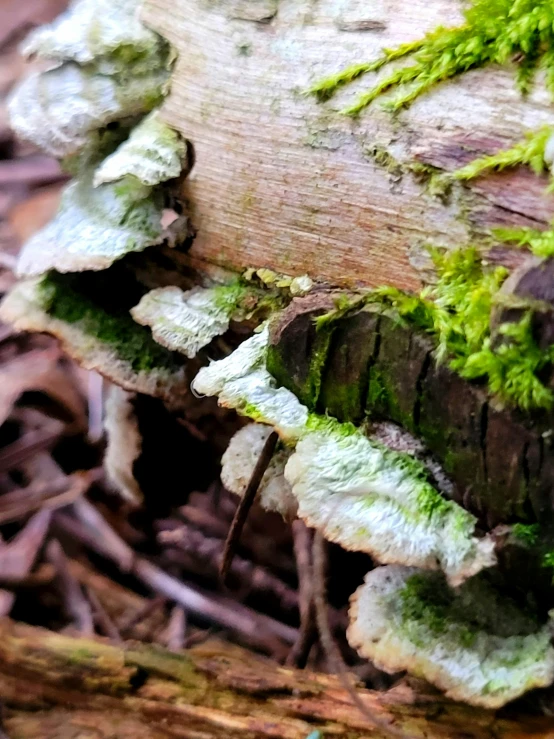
(57, 687)
(500, 461)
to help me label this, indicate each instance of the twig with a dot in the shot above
(102, 618)
(39, 579)
(120, 602)
(142, 614)
(108, 542)
(174, 634)
(207, 551)
(19, 503)
(302, 540)
(93, 531)
(27, 446)
(17, 557)
(334, 657)
(245, 504)
(95, 390)
(76, 606)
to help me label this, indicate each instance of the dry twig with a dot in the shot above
(245, 504)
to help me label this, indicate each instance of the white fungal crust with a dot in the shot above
(94, 227)
(238, 464)
(369, 499)
(59, 110)
(22, 309)
(474, 644)
(124, 443)
(92, 30)
(241, 381)
(153, 153)
(106, 66)
(187, 321)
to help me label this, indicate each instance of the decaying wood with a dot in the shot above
(500, 460)
(55, 686)
(283, 182)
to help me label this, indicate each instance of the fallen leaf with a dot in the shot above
(39, 371)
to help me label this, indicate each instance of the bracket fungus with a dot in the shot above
(107, 67)
(359, 494)
(153, 153)
(238, 463)
(94, 227)
(27, 307)
(187, 321)
(241, 381)
(370, 499)
(472, 643)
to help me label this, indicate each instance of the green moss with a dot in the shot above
(330, 425)
(429, 606)
(457, 312)
(548, 560)
(494, 31)
(424, 602)
(383, 399)
(347, 401)
(529, 152)
(539, 243)
(527, 534)
(61, 299)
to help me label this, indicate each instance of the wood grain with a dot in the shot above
(281, 181)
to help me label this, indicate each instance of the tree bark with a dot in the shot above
(57, 687)
(283, 182)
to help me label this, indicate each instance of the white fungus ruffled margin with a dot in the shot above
(357, 493)
(475, 645)
(107, 69)
(371, 499)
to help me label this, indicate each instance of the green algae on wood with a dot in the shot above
(60, 298)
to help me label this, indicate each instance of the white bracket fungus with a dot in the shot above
(472, 643)
(241, 381)
(359, 494)
(239, 461)
(61, 109)
(94, 227)
(370, 499)
(22, 308)
(91, 30)
(153, 153)
(187, 321)
(111, 67)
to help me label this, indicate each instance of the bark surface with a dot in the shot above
(283, 182)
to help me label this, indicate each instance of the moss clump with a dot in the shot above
(457, 312)
(548, 560)
(527, 534)
(61, 299)
(539, 243)
(495, 31)
(530, 152)
(427, 605)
